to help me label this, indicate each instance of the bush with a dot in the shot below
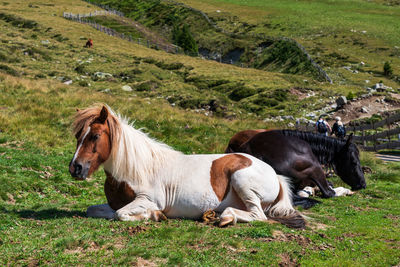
(169, 66)
(147, 86)
(18, 22)
(83, 83)
(183, 38)
(81, 69)
(8, 70)
(241, 92)
(350, 95)
(387, 69)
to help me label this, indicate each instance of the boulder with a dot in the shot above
(127, 88)
(341, 101)
(364, 110)
(102, 75)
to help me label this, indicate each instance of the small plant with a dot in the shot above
(8, 70)
(387, 69)
(350, 95)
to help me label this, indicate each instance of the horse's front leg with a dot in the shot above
(318, 177)
(140, 209)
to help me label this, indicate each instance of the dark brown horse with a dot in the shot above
(300, 154)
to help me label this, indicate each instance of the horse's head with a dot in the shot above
(348, 167)
(93, 144)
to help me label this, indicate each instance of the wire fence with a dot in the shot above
(83, 18)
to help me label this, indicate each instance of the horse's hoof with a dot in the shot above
(158, 216)
(225, 221)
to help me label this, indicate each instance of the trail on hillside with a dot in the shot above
(365, 108)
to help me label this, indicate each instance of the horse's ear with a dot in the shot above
(103, 115)
(348, 142)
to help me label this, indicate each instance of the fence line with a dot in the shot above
(81, 18)
(322, 73)
(380, 140)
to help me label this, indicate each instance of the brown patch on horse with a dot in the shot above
(222, 170)
(118, 194)
(86, 117)
(240, 138)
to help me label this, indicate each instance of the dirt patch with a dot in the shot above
(299, 92)
(392, 217)
(143, 262)
(284, 237)
(287, 261)
(137, 229)
(374, 104)
(367, 208)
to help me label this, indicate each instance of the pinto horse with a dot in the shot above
(147, 179)
(299, 155)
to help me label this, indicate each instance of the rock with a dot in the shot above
(311, 115)
(341, 101)
(381, 87)
(290, 125)
(45, 42)
(364, 110)
(102, 75)
(68, 82)
(288, 117)
(367, 81)
(127, 88)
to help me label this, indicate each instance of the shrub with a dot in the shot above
(8, 70)
(83, 83)
(147, 86)
(350, 95)
(17, 21)
(387, 69)
(81, 69)
(183, 38)
(169, 66)
(241, 92)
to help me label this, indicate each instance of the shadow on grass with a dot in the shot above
(45, 214)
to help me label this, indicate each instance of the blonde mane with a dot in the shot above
(135, 157)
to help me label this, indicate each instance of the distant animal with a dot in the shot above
(299, 155)
(147, 179)
(89, 43)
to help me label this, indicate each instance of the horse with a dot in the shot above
(147, 179)
(299, 155)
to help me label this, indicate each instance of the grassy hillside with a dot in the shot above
(42, 209)
(336, 33)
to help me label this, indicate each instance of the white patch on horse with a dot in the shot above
(80, 145)
(306, 192)
(341, 191)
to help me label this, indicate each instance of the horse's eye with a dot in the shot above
(95, 137)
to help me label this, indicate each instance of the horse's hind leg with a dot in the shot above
(232, 216)
(252, 202)
(101, 211)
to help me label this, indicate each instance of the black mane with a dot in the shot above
(323, 147)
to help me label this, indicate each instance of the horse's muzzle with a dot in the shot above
(359, 187)
(78, 170)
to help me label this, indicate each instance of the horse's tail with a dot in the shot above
(282, 210)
